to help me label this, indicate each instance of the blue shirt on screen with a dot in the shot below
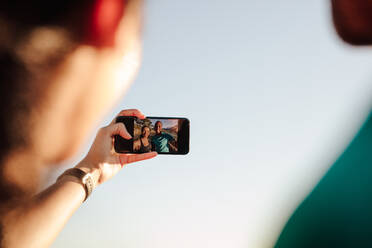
(160, 141)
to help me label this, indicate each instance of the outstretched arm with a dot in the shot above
(173, 145)
(36, 222)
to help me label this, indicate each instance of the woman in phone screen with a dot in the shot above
(142, 144)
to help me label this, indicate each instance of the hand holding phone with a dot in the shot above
(100, 161)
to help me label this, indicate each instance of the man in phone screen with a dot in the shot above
(161, 141)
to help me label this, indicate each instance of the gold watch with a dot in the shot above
(85, 178)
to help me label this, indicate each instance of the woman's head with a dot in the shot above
(63, 65)
(145, 132)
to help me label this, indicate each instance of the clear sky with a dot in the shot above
(273, 98)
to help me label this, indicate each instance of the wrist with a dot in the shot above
(81, 177)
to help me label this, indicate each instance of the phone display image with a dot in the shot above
(158, 135)
(165, 135)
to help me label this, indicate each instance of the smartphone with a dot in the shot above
(165, 135)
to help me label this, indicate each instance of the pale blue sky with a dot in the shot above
(273, 97)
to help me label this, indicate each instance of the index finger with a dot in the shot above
(129, 112)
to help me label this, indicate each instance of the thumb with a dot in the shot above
(118, 129)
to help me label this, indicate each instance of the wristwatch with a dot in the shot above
(85, 178)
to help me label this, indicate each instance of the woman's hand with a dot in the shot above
(102, 161)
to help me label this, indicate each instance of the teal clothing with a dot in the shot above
(338, 213)
(161, 142)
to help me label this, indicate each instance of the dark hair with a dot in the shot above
(41, 12)
(23, 81)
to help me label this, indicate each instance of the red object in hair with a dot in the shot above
(106, 16)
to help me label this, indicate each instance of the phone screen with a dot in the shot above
(165, 135)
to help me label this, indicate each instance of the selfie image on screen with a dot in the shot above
(158, 135)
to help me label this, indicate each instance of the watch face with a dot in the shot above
(88, 182)
(85, 178)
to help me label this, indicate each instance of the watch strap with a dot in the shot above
(85, 178)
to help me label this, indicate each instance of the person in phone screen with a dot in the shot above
(161, 141)
(142, 144)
